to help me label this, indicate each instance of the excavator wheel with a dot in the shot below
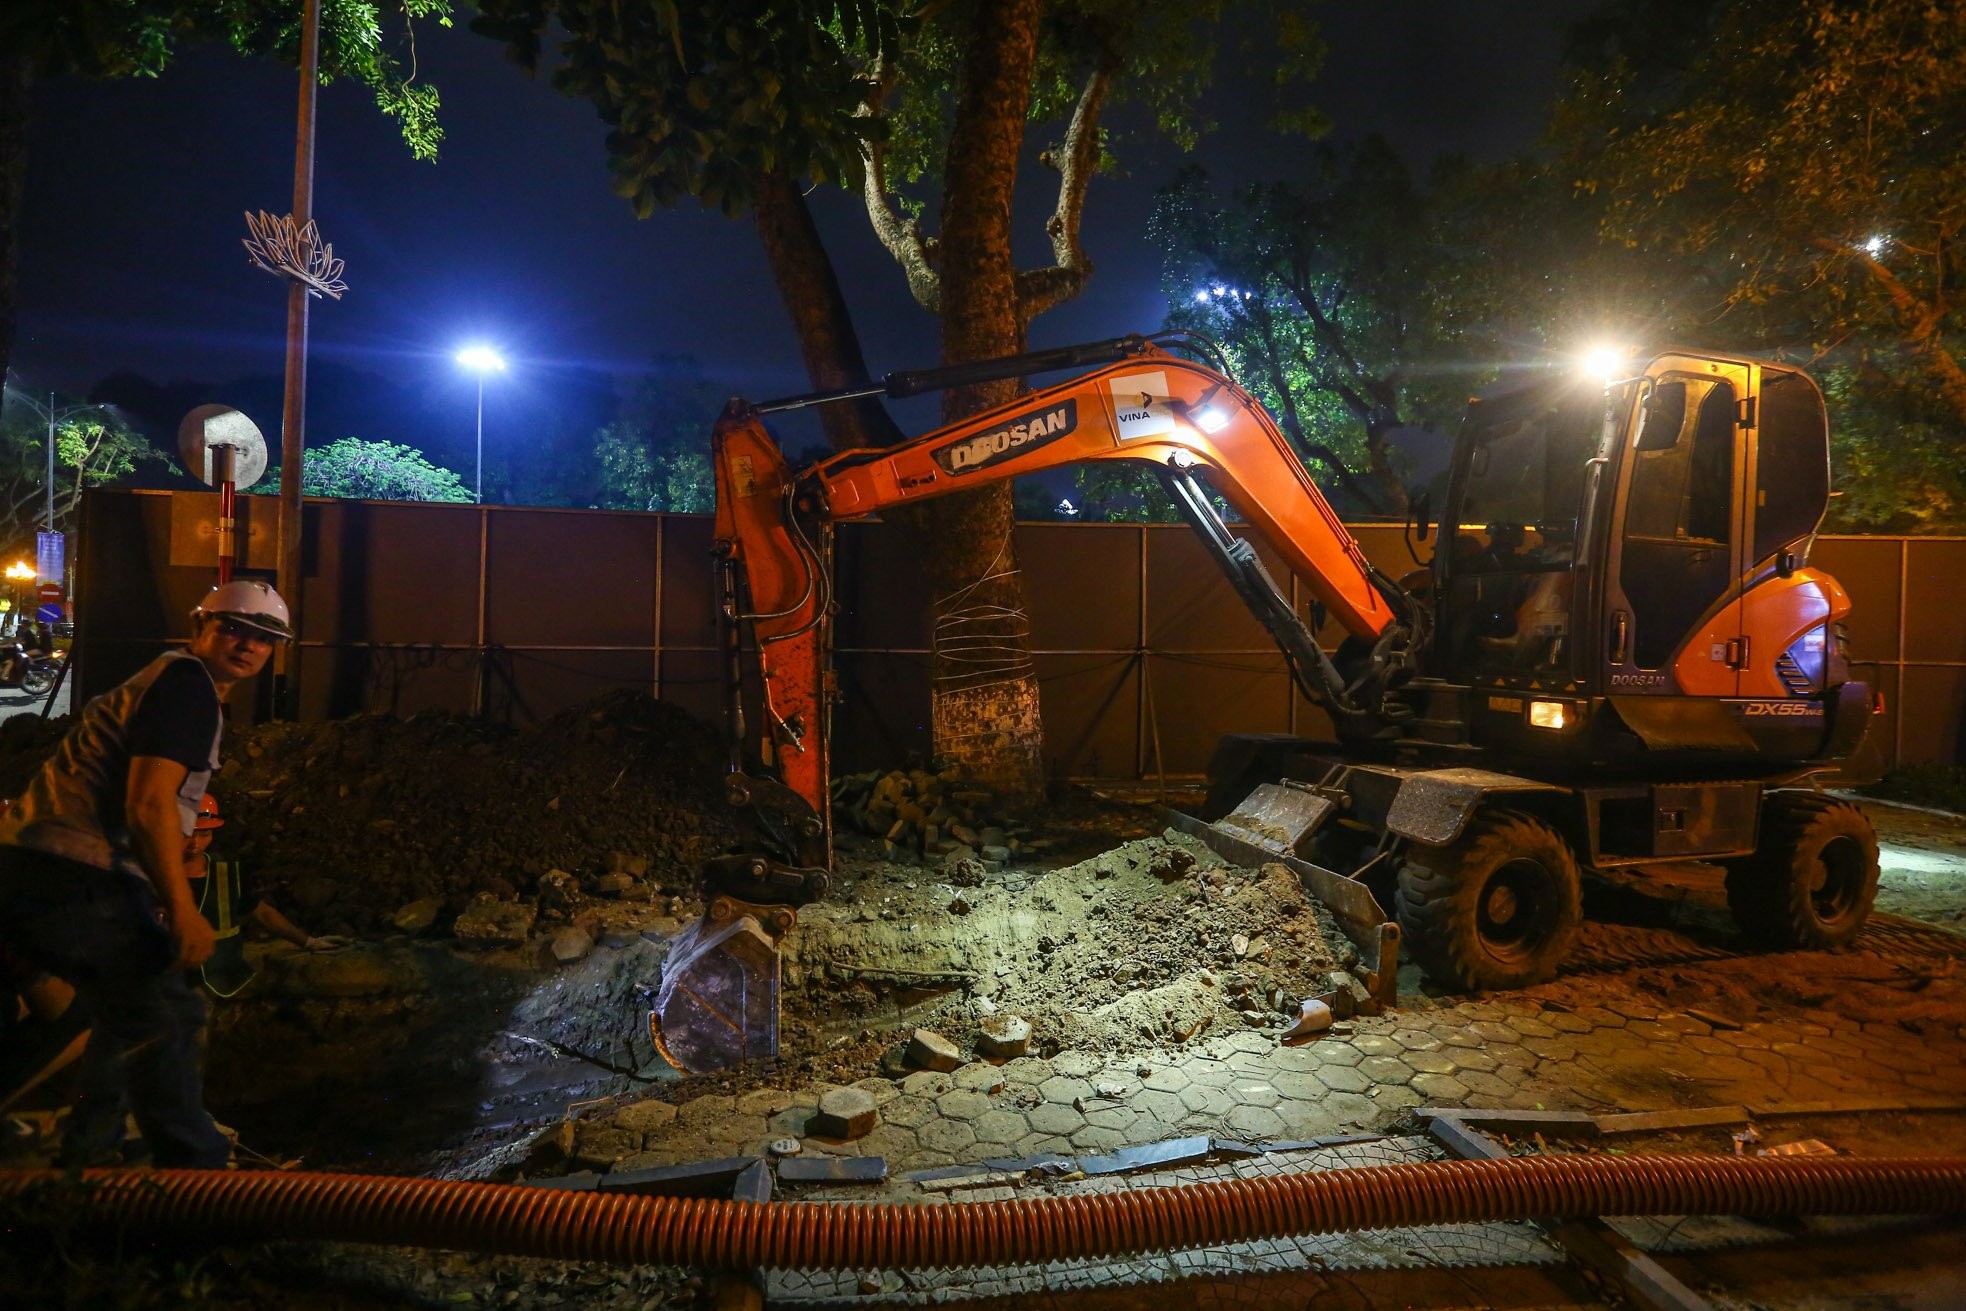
(1811, 882)
(1497, 909)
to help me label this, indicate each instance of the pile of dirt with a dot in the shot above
(1154, 941)
(345, 822)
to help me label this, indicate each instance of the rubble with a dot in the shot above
(488, 922)
(417, 916)
(1003, 1036)
(919, 815)
(571, 944)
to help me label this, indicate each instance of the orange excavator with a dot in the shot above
(1617, 657)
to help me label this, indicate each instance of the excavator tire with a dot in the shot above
(1811, 881)
(1497, 909)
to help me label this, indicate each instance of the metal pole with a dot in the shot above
(481, 438)
(286, 697)
(51, 461)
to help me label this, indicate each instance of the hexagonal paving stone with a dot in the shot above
(1431, 1062)
(1602, 1017)
(1353, 1110)
(1340, 1078)
(1485, 1085)
(1076, 1065)
(1563, 1023)
(1255, 1092)
(1336, 1053)
(909, 1112)
(1206, 1102)
(1253, 1043)
(1026, 1069)
(1166, 1107)
(1385, 1069)
(891, 1141)
(1118, 1118)
(1169, 1079)
(1001, 1127)
(1256, 1122)
(1474, 1060)
(770, 1101)
(1417, 1040)
(1052, 1118)
(927, 1083)
(1459, 1038)
(1305, 1087)
(951, 1136)
(1390, 1099)
(1092, 1138)
(1064, 1089)
(1380, 1044)
(1210, 1074)
(1632, 1009)
(1529, 1026)
(962, 1104)
(980, 1076)
(1441, 1088)
(1494, 1031)
(1303, 1060)
(1553, 1048)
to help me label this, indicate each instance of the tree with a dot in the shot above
(91, 449)
(370, 471)
(656, 456)
(137, 38)
(739, 104)
(1803, 157)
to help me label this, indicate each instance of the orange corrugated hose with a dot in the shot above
(523, 1221)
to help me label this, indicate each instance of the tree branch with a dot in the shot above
(1041, 289)
(912, 251)
(1920, 321)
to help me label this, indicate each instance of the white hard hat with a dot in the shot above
(248, 602)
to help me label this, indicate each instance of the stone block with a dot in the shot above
(571, 944)
(695, 1179)
(1003, 1036)
(645, 1117)
(929, 1050)
(601, 1145)
(832, 1170)
(844, 1113)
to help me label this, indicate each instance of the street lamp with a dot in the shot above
(481, 360)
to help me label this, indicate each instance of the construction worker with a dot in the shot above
(228, 903)
(92, 883)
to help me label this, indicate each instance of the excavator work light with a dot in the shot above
(1211, 418)
(1548, 714)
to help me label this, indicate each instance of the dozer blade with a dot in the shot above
(1269, 825)
(1277, 817)
(718, 1003)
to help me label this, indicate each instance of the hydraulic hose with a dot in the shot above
(574, 1225)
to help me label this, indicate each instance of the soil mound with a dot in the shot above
(1156, 940)
(344, 822)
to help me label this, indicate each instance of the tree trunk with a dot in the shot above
(986, 719)
(811, 292)
(14, 79)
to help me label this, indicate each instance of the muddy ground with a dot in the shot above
(425, 1049)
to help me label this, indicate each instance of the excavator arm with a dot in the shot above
(1189, 423)
(1139, 402)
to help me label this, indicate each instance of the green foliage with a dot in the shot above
(370, 471)
(656, 456)
(1120, 492)
(703, 94)
(93, 447)
(123, 38)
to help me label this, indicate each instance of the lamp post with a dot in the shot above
(481, 360)
(53, 414)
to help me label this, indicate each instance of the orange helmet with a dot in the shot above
(208, 816)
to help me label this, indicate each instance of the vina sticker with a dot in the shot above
(1134, 414)
(1020, 436)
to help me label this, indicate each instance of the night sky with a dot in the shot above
(131, 256)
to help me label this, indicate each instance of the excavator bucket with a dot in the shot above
(717, 1006)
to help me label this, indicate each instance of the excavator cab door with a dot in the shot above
(1673, 586)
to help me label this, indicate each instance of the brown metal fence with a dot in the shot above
(1144, 656)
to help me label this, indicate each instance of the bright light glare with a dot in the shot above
(1606, 362)
(1211, 418)
(482, 359)
(1202, 296)
(1221, 290)
(1875, 246)
(20, 569)
(1546, 714)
